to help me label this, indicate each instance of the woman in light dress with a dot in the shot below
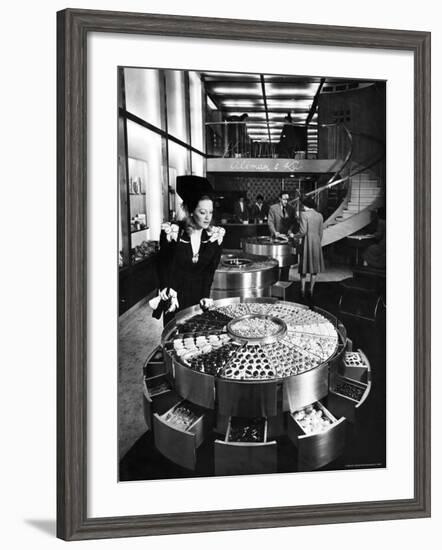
(311, 259)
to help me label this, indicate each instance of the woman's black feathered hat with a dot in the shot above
(191, 189)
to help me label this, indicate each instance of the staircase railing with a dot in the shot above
(335, 180)
(332, 180)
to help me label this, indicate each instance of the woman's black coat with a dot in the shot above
(191, 281)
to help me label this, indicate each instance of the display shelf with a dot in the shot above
(284, 250)
(281, 381)
(245, 448)
(180, 431)
(137, 282)
(317, 444)
(243, 274)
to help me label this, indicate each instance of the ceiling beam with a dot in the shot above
(277, 110)
(253, 79)
(247, 96)
(315, 102)
(263, 86)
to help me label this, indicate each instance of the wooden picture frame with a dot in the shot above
(73, 27)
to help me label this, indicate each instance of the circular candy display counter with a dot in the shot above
(245, 275)
(282, 249)
(248, 374)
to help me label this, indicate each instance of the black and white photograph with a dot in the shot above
(251, 273)
(219, 250)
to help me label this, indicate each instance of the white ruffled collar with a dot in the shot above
(171, 230)
(214, 233)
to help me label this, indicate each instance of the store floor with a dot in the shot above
(140, 334)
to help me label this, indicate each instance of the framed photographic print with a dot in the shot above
(243, 274)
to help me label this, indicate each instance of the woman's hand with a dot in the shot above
(170, 294)
(206, 303)
(164, 294)
(174, 304)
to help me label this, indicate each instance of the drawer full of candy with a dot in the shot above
(157, 385)
(349, 388)
(246, 430)
(154, 364)
(313, 419)
(356, 366)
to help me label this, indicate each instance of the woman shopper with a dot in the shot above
(311, 258)
(189, 250)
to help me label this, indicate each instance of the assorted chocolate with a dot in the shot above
(158, 388)
(353, 359)
(246, 430)
(304, 320)
(202, 343)
(259, 308)
(249, 363)
(215, 361)
(290, 360)
(313, 419)
(182, 416)
(254, 327)
(319, 346)
(190, 350)
(349, 390)
(234, 310)
(209, 321)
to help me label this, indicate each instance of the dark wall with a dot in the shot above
(248, 185)
(363, 111)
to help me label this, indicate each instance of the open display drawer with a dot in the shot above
(245, 449)
(356, 366)
(154, 364)
(179, 432)
(195, 386)
(318, 436)
(347, 397)
(158, 396)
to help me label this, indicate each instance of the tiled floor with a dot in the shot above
(332, 274)
(139, 334)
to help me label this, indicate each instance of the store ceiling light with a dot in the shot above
(255, 91)
(289, 103)
(279, 89)
(242, 102)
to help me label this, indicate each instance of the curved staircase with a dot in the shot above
(364, 195)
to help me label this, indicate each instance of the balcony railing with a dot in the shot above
(232, 140)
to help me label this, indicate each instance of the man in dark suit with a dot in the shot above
(282, 222)
(259, 210)
(240, 210)
(282, 217)
(237, 136)
(293, 138)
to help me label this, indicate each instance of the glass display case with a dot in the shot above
(157, 110)
(253, 377)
